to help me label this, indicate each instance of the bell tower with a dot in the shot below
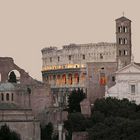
(123, 41)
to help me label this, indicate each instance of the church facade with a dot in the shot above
(127, 77)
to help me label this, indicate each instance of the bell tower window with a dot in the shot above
(120, 41)
(125, 41)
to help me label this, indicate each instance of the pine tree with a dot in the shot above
(12, 77)
(74, 100)
(7, 134)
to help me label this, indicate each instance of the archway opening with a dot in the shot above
(14, 76)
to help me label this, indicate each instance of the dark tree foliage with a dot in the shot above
(115, 128)
(74, 100)
(47, 131)
(76, 122)
(111, 119)
(7, 134)
(12, 77)
(114, 107)
(115, 119)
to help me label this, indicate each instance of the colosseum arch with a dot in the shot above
(17, 73)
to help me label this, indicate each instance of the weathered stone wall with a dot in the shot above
(79, 136)
(7, 65)
(85, 107)
(37, 100)
(22, 122)
(94, 70)
(40, 96)
(78, 54)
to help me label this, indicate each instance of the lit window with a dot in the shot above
(133, 88)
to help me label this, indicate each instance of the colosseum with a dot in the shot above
(66, 68)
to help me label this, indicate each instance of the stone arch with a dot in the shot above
(70, 79)
(58, 79)
(17, 73)
(76, 77)
(83, 77)
(64, 79)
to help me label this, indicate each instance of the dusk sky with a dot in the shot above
(27, 26)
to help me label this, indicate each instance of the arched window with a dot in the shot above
(12, 97)
(76, 77)
(2, 97)
(125, 40)
(14, 76)
(120, 29)
(119, 52)
(120, 41)
(125, 52)
(125, 29)
(0, 77)
(70, 79)
(64, 79)
(54, 77)
(7, 96)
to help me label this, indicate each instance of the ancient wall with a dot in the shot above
(77, 55)
(98, 76)
(22, 122)
(38, 99)
(80, 136)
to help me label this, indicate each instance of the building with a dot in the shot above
(15, 111)
(22, 102)
(67, 68)
(99, 74)
(127, 77)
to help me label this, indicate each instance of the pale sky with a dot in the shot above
(27, 26)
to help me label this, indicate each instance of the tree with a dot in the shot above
(76, 122)
(47, 131)
(115, 107)
(7, 134)
(115, 128)
(115, 119)
(74, 100)
(12, 77)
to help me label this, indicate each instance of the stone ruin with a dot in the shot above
(23, 101)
